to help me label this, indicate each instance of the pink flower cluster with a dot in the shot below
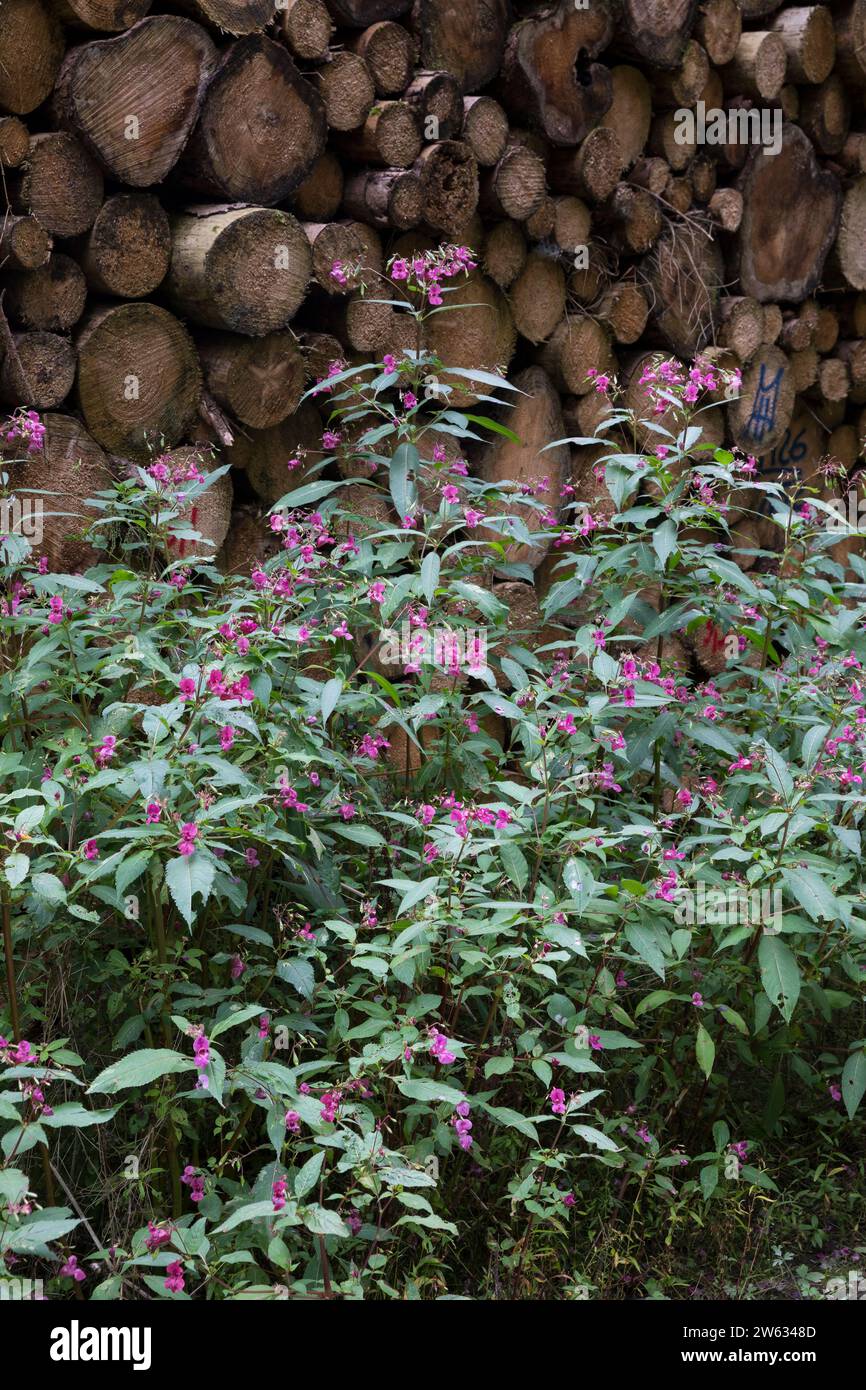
(424, 274)
(25, 425)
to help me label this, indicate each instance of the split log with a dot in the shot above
(306, 27)
(31, 49)
(463, 37)
(259, 380)
(138, 378)
(761, 414)
(128, 249)
(133, 100)
(804, 368)
(790, 220)
(109, 15)
(834, 379)
(516, 187)
(14, 142)
(772, 324)
(726, 209)
(549, 76)
(345, 85)
(51, 298)
(390, 136)
(245, 269)
(24, 243)
(389, 52)
(536, 419)
(263, 158)
(40, 372)
(61, 184)
(572, 223)
(636, 217)
(485, 129)
(69, 469)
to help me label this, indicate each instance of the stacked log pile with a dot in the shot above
(178, 186)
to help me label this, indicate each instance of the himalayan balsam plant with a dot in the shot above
(340, 976)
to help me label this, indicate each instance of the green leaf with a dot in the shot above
(49, 888)
(139, 1069)
(779, 975)
(299, 974)
(812, 894)
(854, 1081)
(307, 1177)
(252, 1211)
(430, 567)
(515, 863)
(76, 1116)
(776, 770)
(331, 692)
(596, 1137)
(322, 1221)
(16, 867)
(431, 1091)
(709, 1181)
(705, 1051)
(185, 876)
(644, 943)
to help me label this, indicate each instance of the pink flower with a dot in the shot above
(91, 849)
(187, 688)
(348, 811)
(72, 1270)
(154, 811)
(175, 1281)
(557, 1101)
(376, 592)
(439, 1048)
(252, 858)
(227, 737)
(188, 836)
(293, 1122)
(698, 1000)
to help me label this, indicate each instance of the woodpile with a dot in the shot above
(634, 177)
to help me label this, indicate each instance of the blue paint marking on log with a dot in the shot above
(763, 417)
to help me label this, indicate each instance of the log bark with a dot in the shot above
(128, 249)
(538, 297)
(850, 26)
(138, 378)
(51, 298)
(580, 343)
(259, 381)
(825, 115)
(31, 49)
(758, 67)
(549, 75)
(719, 26)
(464, 37)
(245, 269)
(592, 171)
(265, 157)
(61, 184)
(133, 100)
(504, 253)
(790, 220)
